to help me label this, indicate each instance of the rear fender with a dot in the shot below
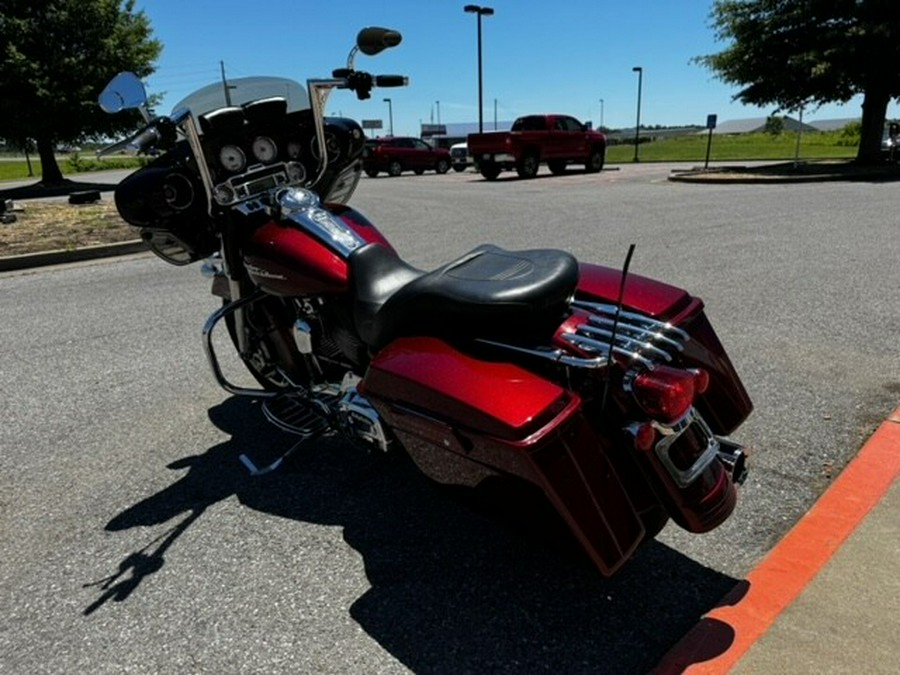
(725, 404)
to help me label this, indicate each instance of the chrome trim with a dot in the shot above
(213, 360)
(303, 337)
(670, 434)
(360, 420)
(734, 458)
(303, 208)
(193, 137)
(641, 339)
(256, 182)
(319, 90)
(548, 354)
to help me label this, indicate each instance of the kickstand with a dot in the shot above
(262, 471)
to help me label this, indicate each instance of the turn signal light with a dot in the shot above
(667, 394)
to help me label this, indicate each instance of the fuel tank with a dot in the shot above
(284, 259)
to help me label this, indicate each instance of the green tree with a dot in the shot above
(795, 53)
(55, 58)
(774, 125)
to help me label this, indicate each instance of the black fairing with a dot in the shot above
(165, 199)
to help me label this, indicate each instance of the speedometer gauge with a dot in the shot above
(294, 149)
(264, 149)
(232, 158)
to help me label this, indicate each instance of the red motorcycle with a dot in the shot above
(606, 393)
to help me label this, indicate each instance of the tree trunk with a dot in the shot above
(874, 111)
(50, 173)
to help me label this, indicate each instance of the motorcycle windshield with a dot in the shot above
(243, 90)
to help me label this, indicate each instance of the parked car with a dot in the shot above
(557, 140)
(396, 154)
(460, 157)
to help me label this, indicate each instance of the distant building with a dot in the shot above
(833, 125)
(459, 132)
(757, 124)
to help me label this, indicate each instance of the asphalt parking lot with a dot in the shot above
(133, 541)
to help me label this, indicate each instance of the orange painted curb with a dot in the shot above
(724, 635)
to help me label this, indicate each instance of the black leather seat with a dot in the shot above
(491, 293)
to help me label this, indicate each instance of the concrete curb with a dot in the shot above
(725, 179)
(746, 613)
(43, 258)
(737, 175)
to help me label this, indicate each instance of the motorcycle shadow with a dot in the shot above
(452, 590)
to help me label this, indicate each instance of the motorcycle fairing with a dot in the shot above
(466, 421)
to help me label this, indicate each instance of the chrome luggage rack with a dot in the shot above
(644, 342)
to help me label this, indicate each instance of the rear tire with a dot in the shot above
(459, 168)
(557, 167)
(490, 170)
(528, 166)
(371, 173)
(395, 168)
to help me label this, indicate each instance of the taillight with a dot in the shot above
(666, 394)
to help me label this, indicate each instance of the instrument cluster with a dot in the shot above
(258, 146)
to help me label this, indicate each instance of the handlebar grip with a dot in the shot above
(145, 139)
(391, 80)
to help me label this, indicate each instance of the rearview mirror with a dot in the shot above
(124, 92)
(373, 40)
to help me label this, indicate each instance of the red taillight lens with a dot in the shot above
(666, 394)
(701, 380)
(644, 437)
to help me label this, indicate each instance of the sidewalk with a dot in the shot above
(827, 598)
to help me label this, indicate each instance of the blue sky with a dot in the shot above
(537, 57)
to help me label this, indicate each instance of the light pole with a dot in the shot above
(601, 114)
(479, 11)
(637, 126)
(390, 116)
(438, 104)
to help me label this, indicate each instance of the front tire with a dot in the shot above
(270, 344)
(395, 168)
(443, 166)
(371, 173)
(595, 160)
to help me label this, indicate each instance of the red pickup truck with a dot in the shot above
(557, 140)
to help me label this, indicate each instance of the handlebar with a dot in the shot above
(161, 131)
(391, 80)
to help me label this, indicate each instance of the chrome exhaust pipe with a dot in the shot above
(734, 458)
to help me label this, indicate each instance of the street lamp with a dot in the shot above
(479, 11)
(601, 114)
(637, 126)
(390, 116)
(438, 104)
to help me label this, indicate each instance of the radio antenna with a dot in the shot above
(612, 337)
